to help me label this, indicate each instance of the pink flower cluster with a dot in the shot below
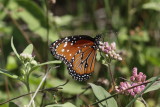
(110, 50)
(136, 79)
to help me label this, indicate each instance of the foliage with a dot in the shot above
(27, 27)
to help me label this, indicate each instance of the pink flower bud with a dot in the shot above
(142, 87)
(108, 48)
(106, 44)
(128, 84)
(138, 78)
(132, 78)
(111, 55)
(140, 73)
(130, 90)
(117, 90)
(121, 83)
(133, 94)
(143, 79)
(134, 72)
(134, 84)
(106, 51)
(137, 90)
(113, 45)
(102, 48)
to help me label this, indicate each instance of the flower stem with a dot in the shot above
(28, 88)
(112, 78)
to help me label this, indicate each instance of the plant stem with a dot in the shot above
(111, 74)
(28, 88)
(32, 98)
(143, 101)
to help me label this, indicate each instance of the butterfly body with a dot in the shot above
(78, 53)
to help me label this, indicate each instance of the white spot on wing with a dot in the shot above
(68, 50)
(70, 54)
(66, 38)
(62, 50)
(65, 44)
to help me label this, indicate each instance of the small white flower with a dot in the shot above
(26, 56)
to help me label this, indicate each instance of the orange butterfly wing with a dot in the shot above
(83, 63)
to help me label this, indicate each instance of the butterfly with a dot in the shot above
(78, 53)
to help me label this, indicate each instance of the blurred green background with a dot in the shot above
(133, 24)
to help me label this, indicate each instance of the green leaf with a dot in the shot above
(11, 104)
(152, 5)
(11, 63)
(35, 20)
(141, 58)
(68, 104)
(100, 94)
(46, 63)
(28, 49)
(14, 49)
(154, 60)
(63, 20)
(123, 36)
(154, 86)
(5, 72)
(152, 55)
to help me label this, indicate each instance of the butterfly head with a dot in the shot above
(97, 39)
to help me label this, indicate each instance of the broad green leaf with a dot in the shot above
(28, 49)
(5, 72)
(138, 103)
(11, 104)
(68, 104)
(14, 49)
(153, 87)
(100, 94)
(152, 5)
(33, 15)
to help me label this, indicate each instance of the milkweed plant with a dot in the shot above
(29, 64)
(137, 85)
